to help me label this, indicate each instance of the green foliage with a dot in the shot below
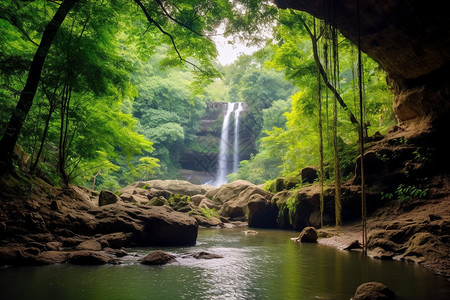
(293, 145)
(209, 212)
(404, 193)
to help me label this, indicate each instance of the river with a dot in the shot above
(267, 265)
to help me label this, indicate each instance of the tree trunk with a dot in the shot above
(25, 102)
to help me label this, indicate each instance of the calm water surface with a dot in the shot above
(264, 266)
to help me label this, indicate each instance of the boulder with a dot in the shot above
(261, 213)
(197, 199)
(107, 197)
(115, 240)
(308, 235)
(90, 245)
(147, 225)
(309, 174)
(296, 206)
(373, 291)
(235, 197)
(52, 257)
(88, 257)
(206, 203)
(158, 257)
(208, 222)
(115, 252)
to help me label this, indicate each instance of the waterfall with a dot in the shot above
(223, 161)
(223, 164)
(237, 113)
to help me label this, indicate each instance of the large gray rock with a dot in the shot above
(235, 197)
(149, 225)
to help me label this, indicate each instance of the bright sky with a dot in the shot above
(229, 53)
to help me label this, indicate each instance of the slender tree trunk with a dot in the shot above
(319, 105)
(25, 102)
(337, 173)
(361, 140)
(44, 136)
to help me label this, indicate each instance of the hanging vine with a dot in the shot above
(361, 135)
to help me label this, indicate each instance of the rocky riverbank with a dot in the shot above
(416, 232)
(42, 224)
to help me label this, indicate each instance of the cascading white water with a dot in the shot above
(223, 161)
(223, 170)
(237, 113)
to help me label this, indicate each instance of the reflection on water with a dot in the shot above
(264, 266)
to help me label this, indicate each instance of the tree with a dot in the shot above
(190, 20)
(12, 131)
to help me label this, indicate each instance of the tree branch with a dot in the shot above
(324, 73)
(175, 20)
(153, 21)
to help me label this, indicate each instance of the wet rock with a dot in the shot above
(88, 257)
(107, 197)
(308, 235)
(158, 257)
(373, 291)
(205, 255)
(115, 252)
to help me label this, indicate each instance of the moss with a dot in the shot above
(209, 212)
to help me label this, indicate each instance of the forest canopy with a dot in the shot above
(122, 86)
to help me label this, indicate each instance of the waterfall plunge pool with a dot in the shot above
(267, 265)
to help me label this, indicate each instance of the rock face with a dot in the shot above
(38, 232)
(410, 40)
